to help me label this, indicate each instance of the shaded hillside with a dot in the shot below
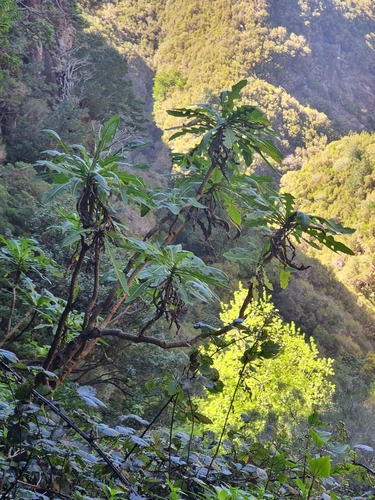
(60, 81)
(337, 75)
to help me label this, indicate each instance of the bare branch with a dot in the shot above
(116, 332)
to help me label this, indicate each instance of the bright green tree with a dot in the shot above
(279, 374)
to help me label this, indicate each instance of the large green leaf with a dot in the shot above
(320, 467)
(55, 192)
(109, 129)
(284, 277)
(117, 267)
(227, 97)
(303, 220)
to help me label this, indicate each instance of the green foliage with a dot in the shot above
(163, 82)
(72, 86)
(8, 15)
(284, 379)
(297, 64)
(18, 257)
(97, 176)
(129, 287)
(135, 288)
(339, 181)
(100, 94)
(79, 468)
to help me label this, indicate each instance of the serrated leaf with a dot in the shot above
(229, 138)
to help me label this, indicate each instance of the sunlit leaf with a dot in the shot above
(320, 467)
(284, 277)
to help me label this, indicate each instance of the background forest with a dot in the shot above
(162, 335)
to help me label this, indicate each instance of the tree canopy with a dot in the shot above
(287, 382)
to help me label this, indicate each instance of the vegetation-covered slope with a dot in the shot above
(70, 73)
(338, 182)
(303, 58)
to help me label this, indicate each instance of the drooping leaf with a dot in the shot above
(10, 356)
(363, 447)
(318, 440)
(139, 441)
(234, 214)
(137, 418)
(202, 418)
(87, 393)
(57, 190)
(117, 268)
(107, 431)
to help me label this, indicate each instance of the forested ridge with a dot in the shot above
(187, 272)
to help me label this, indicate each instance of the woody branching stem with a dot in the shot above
(230, 136)
(65, 314)
(95, 291)
(77, 350)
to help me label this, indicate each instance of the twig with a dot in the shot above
(371, 471)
